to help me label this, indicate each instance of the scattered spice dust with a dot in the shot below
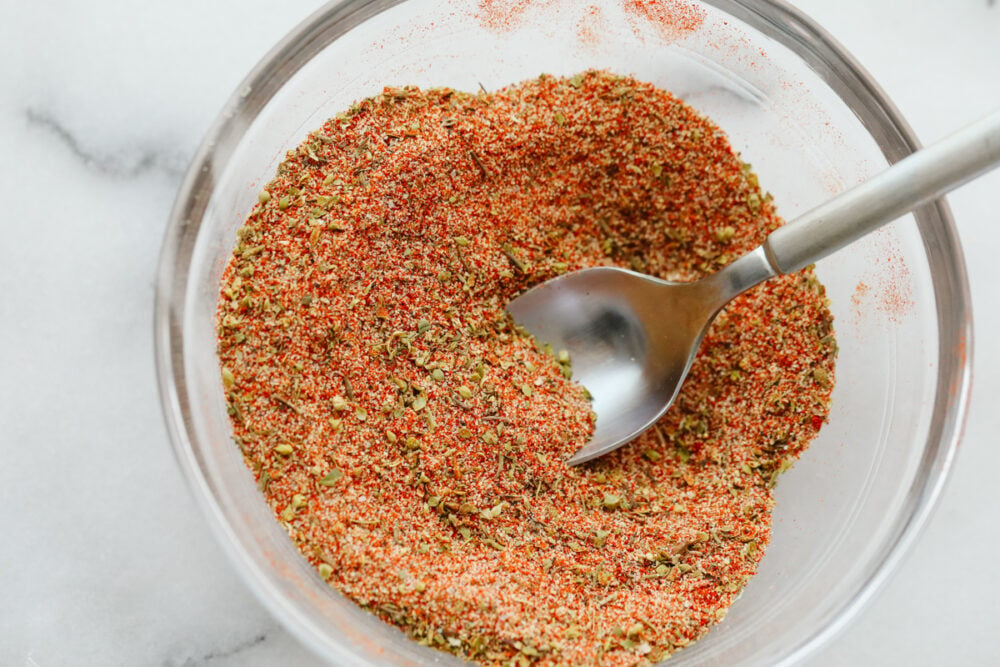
(896, 287)
(858, 299)
(591, 25)
(889, 294)
(671, 19)
(410, 438)
(504, 15)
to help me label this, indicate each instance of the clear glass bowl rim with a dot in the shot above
(776, 19)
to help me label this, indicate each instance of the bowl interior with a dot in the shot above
(793, 111)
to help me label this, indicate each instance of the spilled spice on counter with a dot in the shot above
(410, 438)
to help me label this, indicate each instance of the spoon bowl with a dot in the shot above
(631, 338)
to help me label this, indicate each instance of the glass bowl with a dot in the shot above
(794, 104)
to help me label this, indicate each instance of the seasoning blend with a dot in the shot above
(411, 438)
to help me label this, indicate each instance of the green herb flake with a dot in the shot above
(332, 477)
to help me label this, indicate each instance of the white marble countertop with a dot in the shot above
(105, 558)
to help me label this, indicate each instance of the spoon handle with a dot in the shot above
(914, 180)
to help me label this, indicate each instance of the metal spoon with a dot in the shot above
(632, 338)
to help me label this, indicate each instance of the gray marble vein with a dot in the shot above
(119, 164)
(221, 654)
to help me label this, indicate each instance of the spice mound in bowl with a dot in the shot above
(411, 438)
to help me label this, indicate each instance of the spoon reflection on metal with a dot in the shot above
(632, 338)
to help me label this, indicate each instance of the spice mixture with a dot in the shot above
(411, 438)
